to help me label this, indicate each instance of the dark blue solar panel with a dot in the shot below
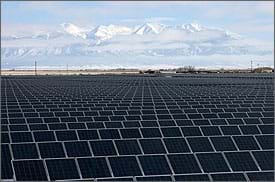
(266, 141)
(177, 162)
(130, 133)
(152, 146)
(213, 162)
(194, 177)
(128, 147)
(154, 165)
(241, 161)
(176, 145)
(24, 151)
(51, 150)
(66, 135)
(261, 176)
(223, 143)
(200, 144)
(93, 167)
(30, 170)
(125, 166)
(77, 149)
(150, 132)
(103, 148)
(19, 137)
(188, 127)
(6, 168)
(228, 177)
(154, 178)
(265, 159)
(109, 134)
(246, 142)
(62, 169)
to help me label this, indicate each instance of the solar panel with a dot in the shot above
(103, 148)
(265, 159)
(176, 145)
(246, 142)
(20, 137)
(130, 133)
(213, 162)
(128, 147)
(241, 161)
(152, 146)
(62, 169)
(109, 134)
(191, 131)
(93, 167)
(177, 162)
(210, 130)
(51, 150)
(125, 166)
(228, 177)
(187, 127)
(200, 144)
(261, 176)
(171, 132)
(196, 177)
(43, 136)
(219, 143)
(29, 170)
(150, 132)
(154, 165)
(77, 149)
(7, 172)
(266, 141)
(87, 134)
(154, 178)
(24, 151)
(66, 135)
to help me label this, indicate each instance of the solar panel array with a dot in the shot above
(144, 128)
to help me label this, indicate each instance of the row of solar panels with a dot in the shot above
(139, 165)
(162, 109)
(140, 105)
(132, 132)
(165, 131)
(51, 117)
(49, 148)
(183, 97)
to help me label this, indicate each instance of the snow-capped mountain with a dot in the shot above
(150, 28)
(192, 27)
(74, 30)
(106, 32)
(152, 40)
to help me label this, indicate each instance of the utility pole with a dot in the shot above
(35, 70)
(67, 69)
(251, 66)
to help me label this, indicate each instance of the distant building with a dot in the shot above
(263, 70)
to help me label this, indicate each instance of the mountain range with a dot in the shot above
(149, 40)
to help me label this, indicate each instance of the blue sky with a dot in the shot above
(252, 19)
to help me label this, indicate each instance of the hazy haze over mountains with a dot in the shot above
(149, 45)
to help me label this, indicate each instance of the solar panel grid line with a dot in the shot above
(46, 170)
(169, 164)
(255, 161)
(78, 169)
(140, 166)
(227, 162)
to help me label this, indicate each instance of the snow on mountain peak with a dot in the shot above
(192, 27)
(103, 32)
(74, 30)
(150, 28)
